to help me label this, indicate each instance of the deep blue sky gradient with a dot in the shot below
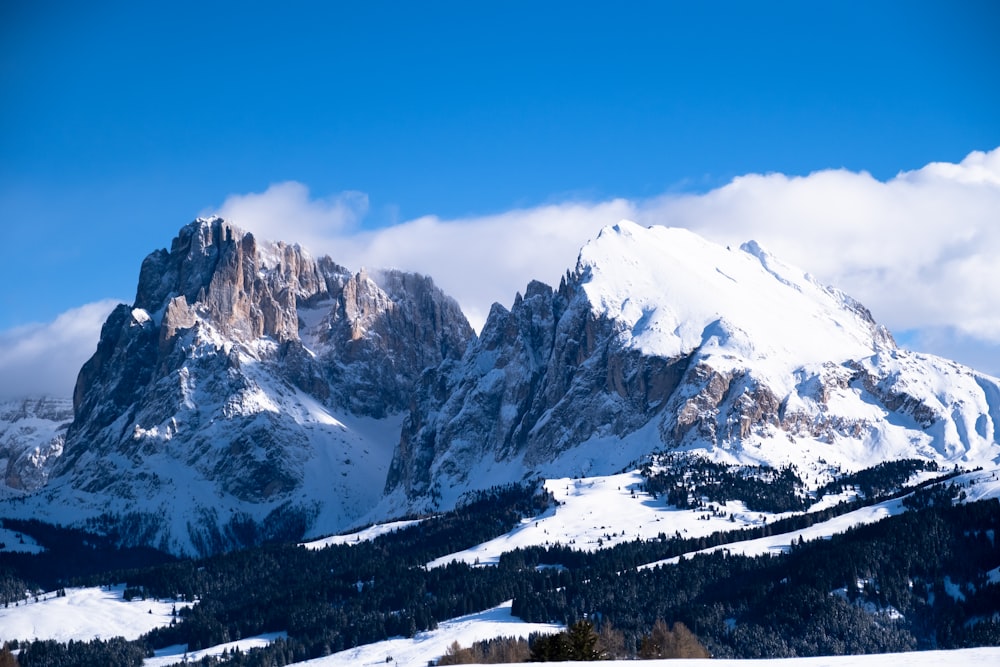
(120, 121)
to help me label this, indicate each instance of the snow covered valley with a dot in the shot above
(682, 450)
(599, 515)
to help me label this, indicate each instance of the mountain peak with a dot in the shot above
(669, 288)
(252, 392)
(661, 339)
(251, 374)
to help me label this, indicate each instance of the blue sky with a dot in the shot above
(121, 122)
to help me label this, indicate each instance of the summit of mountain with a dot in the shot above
(660, 340)
(253, 393)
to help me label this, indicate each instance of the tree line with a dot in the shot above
(884, 587)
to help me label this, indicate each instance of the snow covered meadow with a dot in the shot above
(93, 612)
(583, 516)
(83, 614)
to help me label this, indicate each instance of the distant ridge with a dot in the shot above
(254, 393)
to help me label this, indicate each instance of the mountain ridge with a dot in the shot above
(662, 340)
(202, 422)
(32, 435)
(253, 393)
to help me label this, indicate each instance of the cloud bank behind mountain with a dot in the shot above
(918, 249)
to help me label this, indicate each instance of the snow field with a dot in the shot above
(17, 541)
(432, 644)
(364, 535)
(84, 614)
(776, 544)
(773, 312)
(175, 654)
(973, 657)
(600, 512)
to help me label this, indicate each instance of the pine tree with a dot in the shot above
(583, 641)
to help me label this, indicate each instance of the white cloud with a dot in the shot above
(920, 250)
(484, 260)
(44, 359)
(286, 208)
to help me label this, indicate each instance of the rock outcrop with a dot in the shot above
(249, 390)
(661, 340)
(32, 432)
(253, 393)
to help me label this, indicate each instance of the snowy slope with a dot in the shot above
(426, 646)
(600, 512)
(32, 433)
(781, 543)
(364, 535)
(14, 541)
(250, 393)
(975, 657)
(183, 457)
(83, 614)
(179, 654)
(673, 291)
(660, 340)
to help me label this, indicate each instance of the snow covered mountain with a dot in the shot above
(32, 434)
(661, 340)
(250, 392)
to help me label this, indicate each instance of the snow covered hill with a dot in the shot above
(91, 612)
(660, 340)
(83, 614)
(32, 434)
(975, 657)
(250, 393)
(253, 393)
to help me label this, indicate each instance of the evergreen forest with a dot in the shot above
(919, 580)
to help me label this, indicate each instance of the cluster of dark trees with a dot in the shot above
(882, 587)
(93, 653)
(880, 481)
(70, 554)
(578, 642)
(12, 587)
(687, 480)
(690, 481)
(582, 641)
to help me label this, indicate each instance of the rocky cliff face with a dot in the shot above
(660, 340)
(249, 390)
(252, 392)
(32, 433)
(544, 377)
